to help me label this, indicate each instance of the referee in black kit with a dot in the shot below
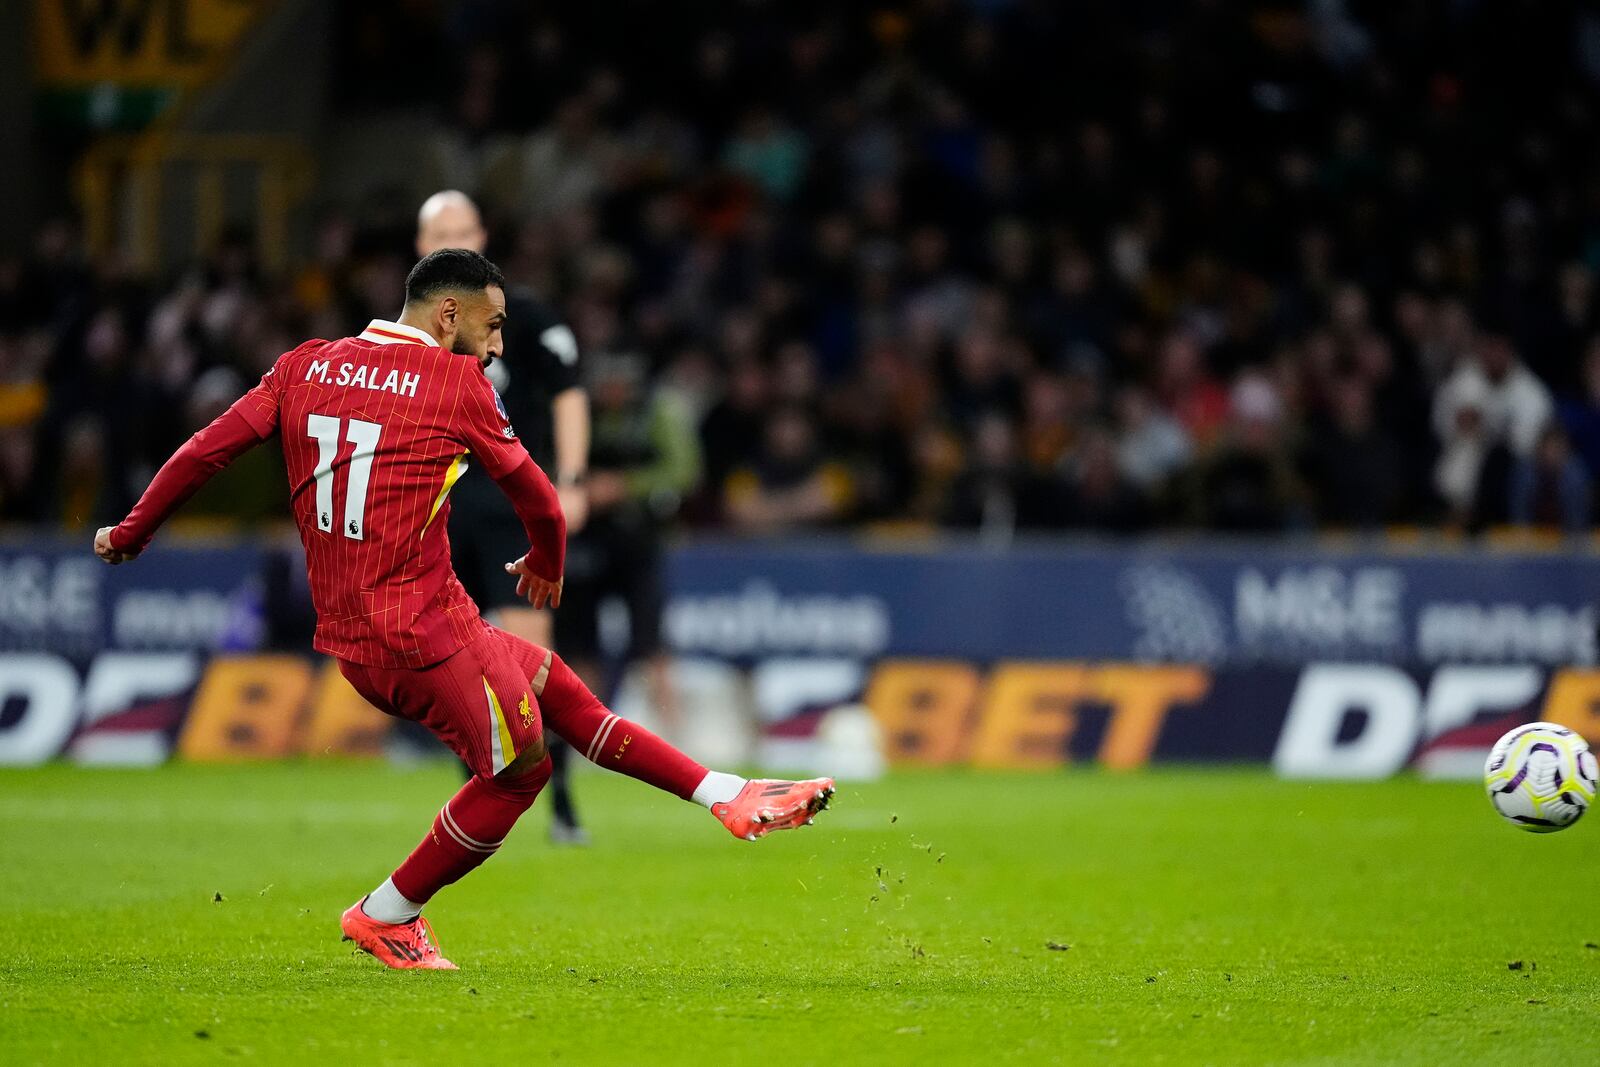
(538, 381)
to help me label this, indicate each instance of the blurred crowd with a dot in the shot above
(1000, 265)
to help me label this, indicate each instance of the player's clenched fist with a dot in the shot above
(103, 549)
(539, 592)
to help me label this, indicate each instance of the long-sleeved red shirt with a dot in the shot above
(375, 429)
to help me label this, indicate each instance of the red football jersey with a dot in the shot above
(376, 430)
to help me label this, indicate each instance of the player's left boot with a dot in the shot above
(765, 805)
(407, 946)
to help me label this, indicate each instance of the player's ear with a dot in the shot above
(449, 311)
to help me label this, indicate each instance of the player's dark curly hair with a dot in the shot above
(451, 269)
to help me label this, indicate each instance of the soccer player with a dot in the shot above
(538, 381)
(375, 430)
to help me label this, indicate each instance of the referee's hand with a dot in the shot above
(539, 592)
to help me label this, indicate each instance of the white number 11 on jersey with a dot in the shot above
(324, 430)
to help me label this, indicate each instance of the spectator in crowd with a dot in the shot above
(1580, 409)
(1466, 441)
(1187, 390)
(1247, 483)
(731, 431)
(1352, 463)
(1097, 494)
(868, 423)
(997, 493)
(1516, 403)
(1551, 488)
(792, 483)
(980, 380)
(1151, 445)
(18, 462)
(82, 482)
(926, 253)
(1571, 323)
(1490, 414)
(769, 153)
(562, 167)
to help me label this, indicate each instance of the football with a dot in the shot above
(1541, 777)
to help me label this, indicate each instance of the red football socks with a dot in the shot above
(467, 831)
(571, 710)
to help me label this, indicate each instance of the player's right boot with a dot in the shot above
(402, 945)
(765, 805)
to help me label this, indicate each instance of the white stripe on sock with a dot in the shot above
(461, 836)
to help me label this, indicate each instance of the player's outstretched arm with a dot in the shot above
(539, 573)
(200, 458)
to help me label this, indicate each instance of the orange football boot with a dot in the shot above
(765, 805)
(402, 945)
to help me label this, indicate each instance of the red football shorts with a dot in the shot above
(482, 701)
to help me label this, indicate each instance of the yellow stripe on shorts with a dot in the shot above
(503, 751)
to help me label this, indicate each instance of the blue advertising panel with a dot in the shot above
(55, 596)
(1321, 662)
(1207, 604)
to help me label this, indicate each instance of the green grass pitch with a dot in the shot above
(1173, 916)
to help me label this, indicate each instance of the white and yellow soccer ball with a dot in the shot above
(1541, 776)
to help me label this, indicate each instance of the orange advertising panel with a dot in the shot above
(925, 708)
(247, 707)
